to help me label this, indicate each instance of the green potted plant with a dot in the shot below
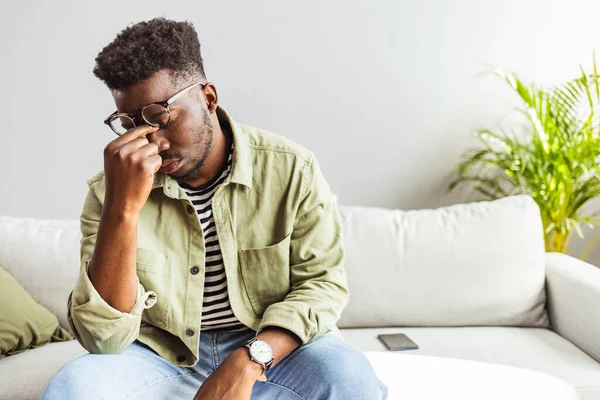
(553, 157)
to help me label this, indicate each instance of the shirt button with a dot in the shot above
(190, 209)
(190, 332)
(180, 358)
(194, 270)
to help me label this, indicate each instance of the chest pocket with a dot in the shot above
(266, 274)
(154, 273)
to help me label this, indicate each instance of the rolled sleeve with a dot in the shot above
(318, 281)
(97, 326)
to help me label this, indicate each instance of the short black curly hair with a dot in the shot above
(144, 48)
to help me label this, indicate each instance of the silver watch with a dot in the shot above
(261, 353)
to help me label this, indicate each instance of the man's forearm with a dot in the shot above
(112, 268)
(282, 341)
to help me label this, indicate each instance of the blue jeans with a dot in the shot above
(327, 368)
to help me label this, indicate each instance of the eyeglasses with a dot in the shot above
(154, 114)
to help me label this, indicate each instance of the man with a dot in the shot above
(211, 258)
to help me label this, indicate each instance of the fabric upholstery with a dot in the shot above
(468, 264)
(24, 324)
(530, 348)
(574, 301)
(43, 256)
(24, 376)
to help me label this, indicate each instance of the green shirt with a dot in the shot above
(280, 238)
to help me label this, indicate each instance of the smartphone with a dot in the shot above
(398, 341)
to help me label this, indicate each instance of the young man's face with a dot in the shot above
(188, 136)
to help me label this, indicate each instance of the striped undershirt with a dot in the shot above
(216, 309)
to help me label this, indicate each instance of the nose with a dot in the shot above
(159, 139)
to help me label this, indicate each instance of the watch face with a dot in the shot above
(261, 351)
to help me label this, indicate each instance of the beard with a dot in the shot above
(204, 138)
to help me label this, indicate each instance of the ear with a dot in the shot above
(211, 97)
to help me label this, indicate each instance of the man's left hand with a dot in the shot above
(232, 380)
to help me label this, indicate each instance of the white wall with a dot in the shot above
(384, 92)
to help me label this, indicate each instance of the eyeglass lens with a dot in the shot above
(153, 114)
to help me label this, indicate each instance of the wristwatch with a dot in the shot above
(261, 353)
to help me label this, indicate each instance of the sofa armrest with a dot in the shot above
(573, 290)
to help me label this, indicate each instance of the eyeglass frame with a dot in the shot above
(133, 116)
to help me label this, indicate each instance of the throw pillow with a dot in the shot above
(24, 323)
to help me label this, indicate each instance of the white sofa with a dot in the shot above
(468, 282)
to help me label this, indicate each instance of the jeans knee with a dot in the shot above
(346, 373)
(75, 381)
(64, 385)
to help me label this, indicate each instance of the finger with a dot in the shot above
(154, 161)
(148, 150)
(133, 146)
(134, 133)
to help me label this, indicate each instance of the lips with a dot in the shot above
(169, 166)
(166, 163)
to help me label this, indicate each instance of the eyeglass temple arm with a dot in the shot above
(183, 91)
(107, 120)
(116, 113)
(172, 99)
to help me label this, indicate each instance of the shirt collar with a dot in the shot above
(241, 168)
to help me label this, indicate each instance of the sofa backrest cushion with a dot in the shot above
(463, 265)
(43, 256)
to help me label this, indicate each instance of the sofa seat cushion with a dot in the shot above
(25, 375)
(532, 348)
